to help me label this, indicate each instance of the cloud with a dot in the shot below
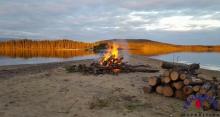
(98, 19)
(184, 23)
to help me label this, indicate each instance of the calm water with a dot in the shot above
(207, 60)
(35, 60)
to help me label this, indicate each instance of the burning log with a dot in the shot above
(116, 70)
(115, 66)
(110, 63)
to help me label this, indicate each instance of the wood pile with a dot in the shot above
(110, 66)
(181, 81)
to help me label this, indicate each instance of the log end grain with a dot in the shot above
(167, 91)
(159, 89)
(174, 75)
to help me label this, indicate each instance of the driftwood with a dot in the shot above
(96, 68)
(179, 66)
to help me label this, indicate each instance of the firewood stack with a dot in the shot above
(181, 81)
(110, 66)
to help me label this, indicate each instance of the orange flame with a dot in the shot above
(111, 52)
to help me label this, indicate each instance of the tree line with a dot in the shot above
(44, 44)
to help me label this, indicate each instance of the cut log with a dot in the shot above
(218, 105)
(196, 88)
(212, 92)
(218, 92)
(179, 66)
(183, 76)
(148, 89)
(174, 75)
(159, 89)
(165, 80)
(178, 84)
(204, 77)
(153, 81)
(167, 91)
(179, 94)
(187, 90)
(166, 73)
(205, 88)
(193, 81)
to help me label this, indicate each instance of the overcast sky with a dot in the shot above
(174, 21)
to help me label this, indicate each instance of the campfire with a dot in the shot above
(111, 59)
(110, 63)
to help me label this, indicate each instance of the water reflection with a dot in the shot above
(25, 53)
(151, 52)
(207, 60)
(34, 56)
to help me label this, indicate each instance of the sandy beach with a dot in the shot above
(47, 90)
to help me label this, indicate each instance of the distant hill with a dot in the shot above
(149, 47)
(133, 41)
(131, 44)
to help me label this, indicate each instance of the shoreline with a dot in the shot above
(52, 65)
(48, 90)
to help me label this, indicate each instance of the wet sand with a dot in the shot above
(47, 90)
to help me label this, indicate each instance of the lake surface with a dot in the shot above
(36, 60)
(207, 60)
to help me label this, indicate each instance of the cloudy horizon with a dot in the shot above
(180, 22)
